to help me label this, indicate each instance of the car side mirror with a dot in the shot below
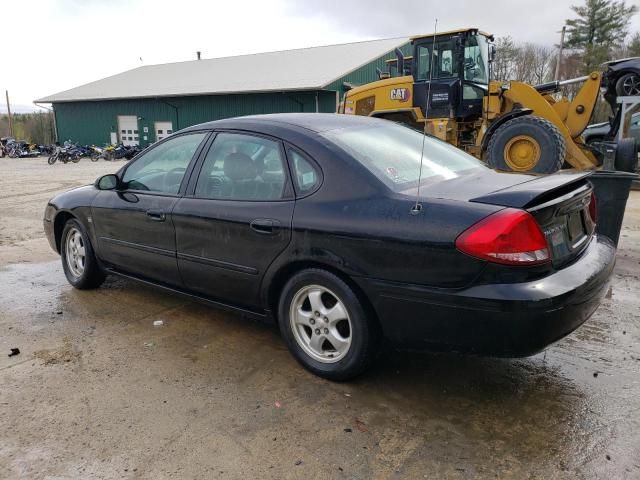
(108, 182)
(492, 52)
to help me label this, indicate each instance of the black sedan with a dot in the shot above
(345, 230)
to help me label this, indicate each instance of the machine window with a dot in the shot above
(242, 167)
(476, 54)
(163, 167)
(444, 61)
(424, 60)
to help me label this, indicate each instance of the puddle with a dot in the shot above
(204, 385)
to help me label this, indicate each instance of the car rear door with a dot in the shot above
(236, 218)
(133, 225)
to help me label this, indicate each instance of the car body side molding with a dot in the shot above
(218, 263)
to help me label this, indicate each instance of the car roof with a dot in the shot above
(315, 122)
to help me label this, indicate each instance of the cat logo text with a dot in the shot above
(400, 94)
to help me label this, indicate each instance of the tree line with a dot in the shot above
(597, 33)
(33, 127)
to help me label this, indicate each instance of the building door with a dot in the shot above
(114, 138)
(163, 130)
(128, 130)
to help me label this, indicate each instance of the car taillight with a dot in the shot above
(509, 236)
(593, 209)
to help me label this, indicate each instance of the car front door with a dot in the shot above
(133, 224)
(236, 219)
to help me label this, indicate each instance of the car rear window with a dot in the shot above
(392, 153)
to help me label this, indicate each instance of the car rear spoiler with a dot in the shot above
(539, 189)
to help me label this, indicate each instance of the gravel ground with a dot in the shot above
(99, 392)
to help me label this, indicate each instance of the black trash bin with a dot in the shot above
(611, 190)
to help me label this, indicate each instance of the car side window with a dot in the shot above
(163, 167)
(242, 167)
(306, 176)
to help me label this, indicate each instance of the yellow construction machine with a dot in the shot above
(445, 89)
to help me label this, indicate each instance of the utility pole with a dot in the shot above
(9, 113)
(557, 75)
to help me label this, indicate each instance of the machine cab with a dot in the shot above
(457, 66)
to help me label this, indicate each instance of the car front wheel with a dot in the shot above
(325, 325)
(78, 259)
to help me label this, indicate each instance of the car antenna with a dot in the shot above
(417, 208)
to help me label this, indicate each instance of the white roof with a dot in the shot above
(300, 69)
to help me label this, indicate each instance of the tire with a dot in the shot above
(354, 333)
(628, 84)
(75, 158)
(85, 274)
(540, 139)
(52, 158)
(626, 159)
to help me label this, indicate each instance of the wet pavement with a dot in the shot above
(98, 391)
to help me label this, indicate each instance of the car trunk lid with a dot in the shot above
(560, 205)
(558, 202)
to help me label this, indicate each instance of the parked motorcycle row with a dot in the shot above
(71, 152)
(67, 152)
(13, 148)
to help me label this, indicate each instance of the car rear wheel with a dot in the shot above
(78, 259)
(326, 326)
(628, 85)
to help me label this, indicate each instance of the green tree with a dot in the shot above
(599, 27)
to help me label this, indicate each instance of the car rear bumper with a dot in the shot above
(499, 319)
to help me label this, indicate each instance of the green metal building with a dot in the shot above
(146, 104)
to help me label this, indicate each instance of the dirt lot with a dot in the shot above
(99, 392)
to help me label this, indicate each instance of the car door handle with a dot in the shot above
(264, 225)
(156, 215)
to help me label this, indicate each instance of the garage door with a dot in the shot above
(163, 130)
(128, 129)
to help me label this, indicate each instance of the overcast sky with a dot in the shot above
(54, 45)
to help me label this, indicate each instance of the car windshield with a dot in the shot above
(392, 153)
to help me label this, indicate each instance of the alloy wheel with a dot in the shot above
(75, 252)
(320, 324)
(631, 85)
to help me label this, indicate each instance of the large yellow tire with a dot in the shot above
(526, 144)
